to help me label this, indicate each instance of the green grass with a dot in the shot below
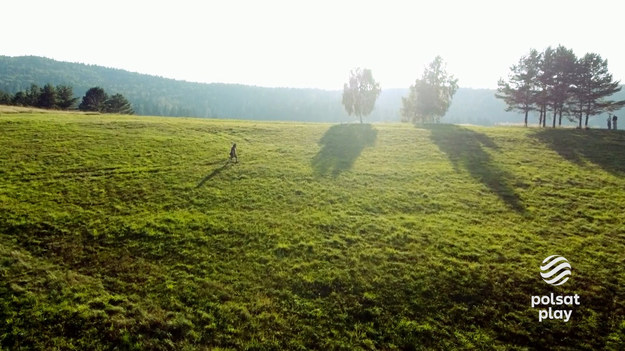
(136, 233)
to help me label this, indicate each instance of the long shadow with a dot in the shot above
(604, 148)
(340, 147)
(465, 148)
(215, 172)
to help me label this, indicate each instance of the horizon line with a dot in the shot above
(223, 83)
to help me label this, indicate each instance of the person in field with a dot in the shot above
(233, 153)
(614, 118)
(609, 123)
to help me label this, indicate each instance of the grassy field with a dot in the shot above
(136, 233)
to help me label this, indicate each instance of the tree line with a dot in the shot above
(553, 83)
(556, 82)
(152, 95)
(61, 97)
(50, 97)
(158, 96)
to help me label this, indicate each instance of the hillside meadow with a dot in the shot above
(135, 233)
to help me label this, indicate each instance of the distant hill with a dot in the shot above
(158, 96)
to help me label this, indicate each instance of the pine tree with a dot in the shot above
(19, 99)
(93, 100)
(118, 104)
(594, 84)
(519, 92)
(563, 72)
(5, 98)
(557, 81)
(31, 96)
(65, 97)
(47, 97)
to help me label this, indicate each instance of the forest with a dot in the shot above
(158, 96)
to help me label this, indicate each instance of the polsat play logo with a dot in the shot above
(555, 270)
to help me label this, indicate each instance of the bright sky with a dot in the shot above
(310, 43)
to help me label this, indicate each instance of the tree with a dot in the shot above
(430, 97)
(545, 82)
(118, 104)
(65, 97)
(47, 97)
(593, 85)
(360, 94)
(19, 99)
(519, 92)
(5, 99)
(557, 81)
(31, 96)
(93, 100)
(563, 73)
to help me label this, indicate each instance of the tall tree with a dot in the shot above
(93, 100)
(519, 92)
(563, 75)
(594, 84)
(65, 97)
(430, 97)
(118, 104)
(545, 83)
(47, 97)
(360, 93)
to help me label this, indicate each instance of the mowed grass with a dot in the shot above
(137, 233)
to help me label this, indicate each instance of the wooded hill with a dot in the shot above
(158, 96)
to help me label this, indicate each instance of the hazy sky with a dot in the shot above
(310, 43)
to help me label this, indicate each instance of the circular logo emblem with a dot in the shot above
(555, 270)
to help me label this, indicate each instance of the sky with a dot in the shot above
(310, 44)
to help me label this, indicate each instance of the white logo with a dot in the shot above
(557, 275)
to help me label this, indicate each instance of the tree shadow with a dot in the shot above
(466, 148)
(214, 173)
(340, 147)
(603, 148)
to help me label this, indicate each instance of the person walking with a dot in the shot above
(609, 122)
(233, 153)
(614, 118)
